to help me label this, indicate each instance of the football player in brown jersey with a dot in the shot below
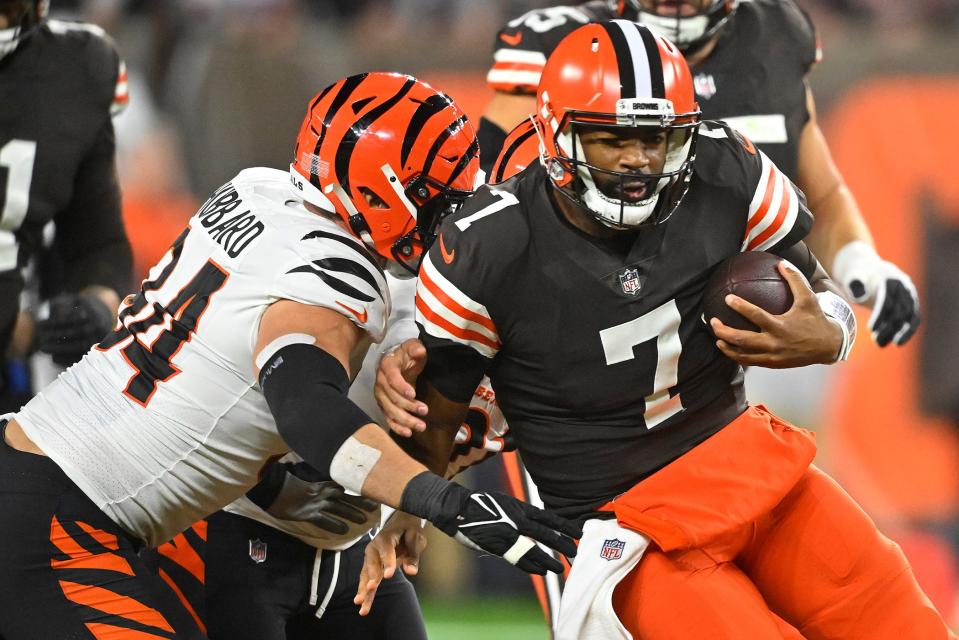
(749, 61)
(578, 286)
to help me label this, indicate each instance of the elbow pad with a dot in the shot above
(305, 388)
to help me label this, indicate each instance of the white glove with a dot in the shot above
(871, 281)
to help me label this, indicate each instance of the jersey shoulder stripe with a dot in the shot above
(773, 210)
(445, 311)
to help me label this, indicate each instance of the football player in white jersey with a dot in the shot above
(240, 347)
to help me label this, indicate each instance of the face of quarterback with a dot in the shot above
(681, 8)
(631, 150)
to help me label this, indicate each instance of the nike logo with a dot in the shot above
(448, 256)
(512, 40)
(361, 316)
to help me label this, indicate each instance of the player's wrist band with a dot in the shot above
(838, 310)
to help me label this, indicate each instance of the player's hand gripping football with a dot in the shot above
(399, 543)
(801, 336)
(492, 522)
(395, 391)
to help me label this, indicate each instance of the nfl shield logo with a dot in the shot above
(257, 551)
(612, 549)
(704, 85)
(630, 281)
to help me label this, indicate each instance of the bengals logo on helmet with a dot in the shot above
(390, 155)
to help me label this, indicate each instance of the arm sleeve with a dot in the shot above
(455, 324)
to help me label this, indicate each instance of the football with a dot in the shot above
(752, 276)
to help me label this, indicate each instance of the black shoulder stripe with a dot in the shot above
(440, 140)
(505, 157)
(344, 151)
(345, 265)
(433, 105)
(655, 62)
(333, 283)
(352, 244)
(627, 75)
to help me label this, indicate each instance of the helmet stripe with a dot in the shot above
(433, 105)
(344, 150)
(471, 153)
(505, 158)
(655, 66)
(349, 85)
(624, 59)
(438, 143)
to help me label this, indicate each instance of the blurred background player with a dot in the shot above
(57, 168)
(239, 347)
(637, 201)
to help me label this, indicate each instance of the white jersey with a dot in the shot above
(163, 422)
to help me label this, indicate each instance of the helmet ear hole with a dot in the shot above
(372, 199)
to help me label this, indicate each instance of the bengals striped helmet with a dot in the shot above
(616, 75)
(19, 19)
(391, 156)
(689, 23)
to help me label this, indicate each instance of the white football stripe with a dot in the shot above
(451, 316)
(770, 216)
(450, 289)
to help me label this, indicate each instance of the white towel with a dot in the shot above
(607, 553)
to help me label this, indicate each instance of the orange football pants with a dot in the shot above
(753, 542)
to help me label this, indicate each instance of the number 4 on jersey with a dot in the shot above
(148, 352)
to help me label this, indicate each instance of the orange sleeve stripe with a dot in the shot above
(180, 551)
(778, 221)
(103, 631)
(767, 199)
(105, 538)
(454, 306)
(115, 604)
(64, 541)
(186, 603)
(101, 561)
(200, 528)
(464, 334)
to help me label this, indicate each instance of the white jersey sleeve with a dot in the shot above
(328, 268)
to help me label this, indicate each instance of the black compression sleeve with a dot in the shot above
(491, 139)
(305, 388)
(803, 259)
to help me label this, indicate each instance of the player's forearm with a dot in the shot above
(434, 445)
(838, 222)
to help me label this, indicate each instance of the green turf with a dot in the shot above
(485, 619)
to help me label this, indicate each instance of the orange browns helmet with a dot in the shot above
(391, 156)
(689, 24)
(520, 150)
(617, 74)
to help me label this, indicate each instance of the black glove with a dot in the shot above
(76, 322)
(895, 313)
(291, 492)
(492, 522)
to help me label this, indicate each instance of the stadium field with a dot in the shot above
(503, 619)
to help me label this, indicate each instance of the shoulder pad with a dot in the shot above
(96, 51)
